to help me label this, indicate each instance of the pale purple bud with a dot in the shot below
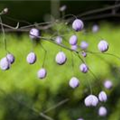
(42, 73)
(84, 54)
(83, 68)
(77, 25)
(95, 28)
(73, 40)
(58, 40)
(74, 47)
(31, 58)
(91, 100)
(4, 64)
(108, 84)
(102, 111)
(74, 82)
(84, 45)
(34, 33)
(80, 119)
(10, 58)
(63, 8)
(60, 58)
(103, 46)
(102, 96)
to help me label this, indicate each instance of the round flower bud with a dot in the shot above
(102, 96)
(84, 54)
(95, 28)
(77, 25)
(10, 58)
(31, 58)
(91, 100)
(42, 73)
(83, 68)
(84, 45)
(73, 40)
(102, 111)
(34, 33)
(4, 64)
(80, 119)
(74, 47)
(58, 40)
(108, 84)
(60, 58)
(5, 10)
(63, 8)
(103, 46)
(74, 82)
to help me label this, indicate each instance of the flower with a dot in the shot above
(83, 68)
(58, 40)
(42, 73)
(31, 58)
(34, 33)
(102, 96)
(74, 82)
(10, 58)
(102, 111)
(103, 46)
(108, 84)
(4, 64)
(73, 40)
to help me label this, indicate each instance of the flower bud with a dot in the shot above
(42, 73)
(74, 47)
(63, 8)
(60, 58)
(108, 84)
(4, 64)
(91, 100)
(83, 68)
(77, 25)
(95, 28)
(34, 33)
(84, 54)
(84, 45)
(10, 58)
(103, 46)
(102, 96)
(58, 40)
(74, 82)
(102, 111)
(73, 40)
(31, 58)
(5, 11)
(80, 119)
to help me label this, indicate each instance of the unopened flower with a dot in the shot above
(83, 68)
(74, 82)
(73, 40)
(74, 47)
(102, 96)
(103, 46)
(58, 40)
(63, 8)
(60, 58)
(95, 28)
(4, 64)
(10, 57)
(83, 45)
(91, 100)
(31, 58)
(77, 25)
(80, 119)
(34, 33)
(108, 84)
(84, 54)
(102, 111)
(42, 73)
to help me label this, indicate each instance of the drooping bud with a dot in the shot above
(102, 96)
(34, 33)
(102, 111)
(77, 25)
(83, 68)
(60, 58)
(31, 58)
(42, 73)
(74, 82)
(103, 46)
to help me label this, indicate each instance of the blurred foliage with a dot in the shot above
(23, 96)
(35, 11)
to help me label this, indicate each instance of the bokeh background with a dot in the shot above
(25, 97)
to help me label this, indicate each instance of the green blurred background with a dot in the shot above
(25, 97)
